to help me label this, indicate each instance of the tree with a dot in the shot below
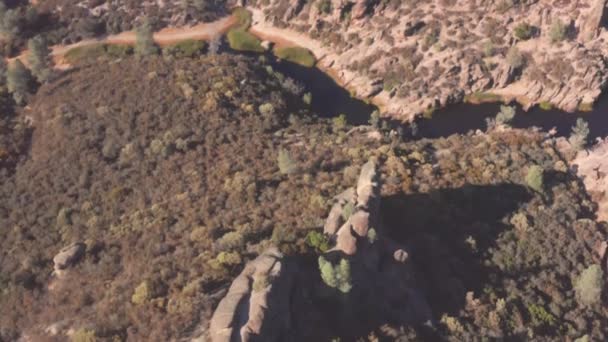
(144, 40)
(523, 31)
(506, 115)
(580, 132)
(588, 286)
(3, 69)
(338, 276)
(40, 58)
(9, 22)
(17, 80)
(535, 178)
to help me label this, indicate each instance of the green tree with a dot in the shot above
(523, 31)
(589, 285)
(374, 119)
(338, 276)
(580, 132)
(535, 178)
(144, 40)
(506, 115)
(9, 22)
(3, 70)
(18, 80)
(39, 58)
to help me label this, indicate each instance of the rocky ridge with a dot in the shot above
(265, 301)
(414, 56)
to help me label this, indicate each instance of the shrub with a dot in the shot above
(557, 32)
(372, 236)
(307, 98)
(339, 122)
(186, 48)
(523, 31)
(297, 55)
(544, 105)
(229, 258)
(81, 53)
(243, 18)
(318, 241)
(324, 6)
(83, 335)
(241, 40)
(374, 119)
(266, 109)
(580, 132)
(506, 115)
(540, 317)
(515, 58)
(286, 164)
(260, 283)
(17, 80)
(589, 285)
(144, 40)
(535, 178)
(336, 276)
(142, 293)
(39, 58)
(231, 240)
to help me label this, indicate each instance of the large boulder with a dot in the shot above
(69, 256)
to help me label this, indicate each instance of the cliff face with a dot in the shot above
(410, 56)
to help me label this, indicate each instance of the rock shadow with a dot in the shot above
(448, 233)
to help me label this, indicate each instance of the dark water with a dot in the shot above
(462, 118)
(328, 98)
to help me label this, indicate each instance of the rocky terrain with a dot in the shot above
(413, 56)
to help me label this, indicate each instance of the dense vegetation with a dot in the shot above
(175, 172)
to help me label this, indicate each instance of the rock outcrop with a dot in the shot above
(256, 307)
(592, 167)
(68, 256)
(273, 298)
(419, 55)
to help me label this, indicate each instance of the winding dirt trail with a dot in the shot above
(205, 31)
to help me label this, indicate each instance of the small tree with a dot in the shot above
(17, 80)
(40, 58)
(589, 285)
(286, 164)
(523, 31)
(506, 115)
(535, 178)
(580, 132)
(557, 33)
(144, 40)
(338, 276)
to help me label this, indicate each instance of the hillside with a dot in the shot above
(164, 177)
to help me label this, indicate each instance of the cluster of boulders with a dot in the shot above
(427, 54)
(262, 302)
(68, 256)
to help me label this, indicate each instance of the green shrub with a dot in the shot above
(544, 105)
(83, 335)
(186, 48)
(260, 282)
(324, 6)
(540, 317)
(374, 119)
(339, 122)
(336, 276)
(229, 258)
(39, 58)
(142, 293)
(318, 241)
(523, 31)
(535, 178)
(286, 164)
(231, 240)
(297, 55)
(17, 80)
(241, 40)
(557, 32)
(589, 285)
(580, 132)
(307, 98)
(372, 236)
(243, 18)
(81, 53)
